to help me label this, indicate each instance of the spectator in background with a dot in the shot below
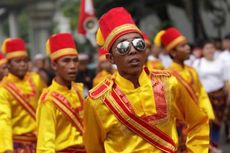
(196, 53)
(84, 74)
(225, 57)
(212, 75)
(218, 45)
(39, 67)
(104, 67)
(49, 70)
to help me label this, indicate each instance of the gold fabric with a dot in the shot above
(104, 132)
(190, 75)
(155, 64)
(55, 131)
(100, 77)
(14, 120)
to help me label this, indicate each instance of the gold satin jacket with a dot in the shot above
(55, 131)
(104, 133)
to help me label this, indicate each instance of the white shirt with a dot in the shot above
(211, 73)
(191, 60)
(165, 59)
(224, 57)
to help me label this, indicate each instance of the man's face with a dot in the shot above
(39, 63)
(132, 62)
(209, 50)
(3, 71)
(66, 67)
(181, 52)
(19, 66)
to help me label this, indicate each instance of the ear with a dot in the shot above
(54, 65)
(110, 58)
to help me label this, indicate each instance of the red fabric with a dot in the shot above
(2, 56)
(102, 51)
(154, 130)
(61, 41)
(84, 14)
(114, 18)
(15, 44)
(170, 35)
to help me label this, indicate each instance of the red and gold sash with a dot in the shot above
(187, 85)
(62, 104)
(118, 104)
(21, 99)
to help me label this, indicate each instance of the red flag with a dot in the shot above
(87, 17)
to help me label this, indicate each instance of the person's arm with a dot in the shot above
(93, 133)
(196, 120)
(203, 99)
(46, 121)
(6, 142)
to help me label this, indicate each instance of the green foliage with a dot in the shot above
(23, 25)
(71, 9)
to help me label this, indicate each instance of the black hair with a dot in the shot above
(227, 36)
(207, 41)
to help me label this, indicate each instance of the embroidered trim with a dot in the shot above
(148, 132)
(159, 99)
(187, 86)
(99, 90)
(176, 41)
(117, 30)
(21, 99)
(62, 103)
(16, 54)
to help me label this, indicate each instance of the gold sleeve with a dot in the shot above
(195, 119)
(94, 134)
(46, 122)
(6, 142)
(204, 101)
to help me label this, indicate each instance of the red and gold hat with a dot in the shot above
(14, 47)
(157, 38)
(171, 38)
(3, 59)
(146, 38)
(102, 54)
(59, 45)
(113, 24)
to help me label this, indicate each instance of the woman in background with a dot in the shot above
(212, 75)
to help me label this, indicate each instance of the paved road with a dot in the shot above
(223, 145)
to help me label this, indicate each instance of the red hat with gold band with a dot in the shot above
(14, 47)
(113, 24)
(157, 39)
(102, 54)
(3, 59)
(59, 45)
(171, 38)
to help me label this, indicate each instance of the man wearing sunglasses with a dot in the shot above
(135, 110)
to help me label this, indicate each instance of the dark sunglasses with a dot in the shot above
(124, 47)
